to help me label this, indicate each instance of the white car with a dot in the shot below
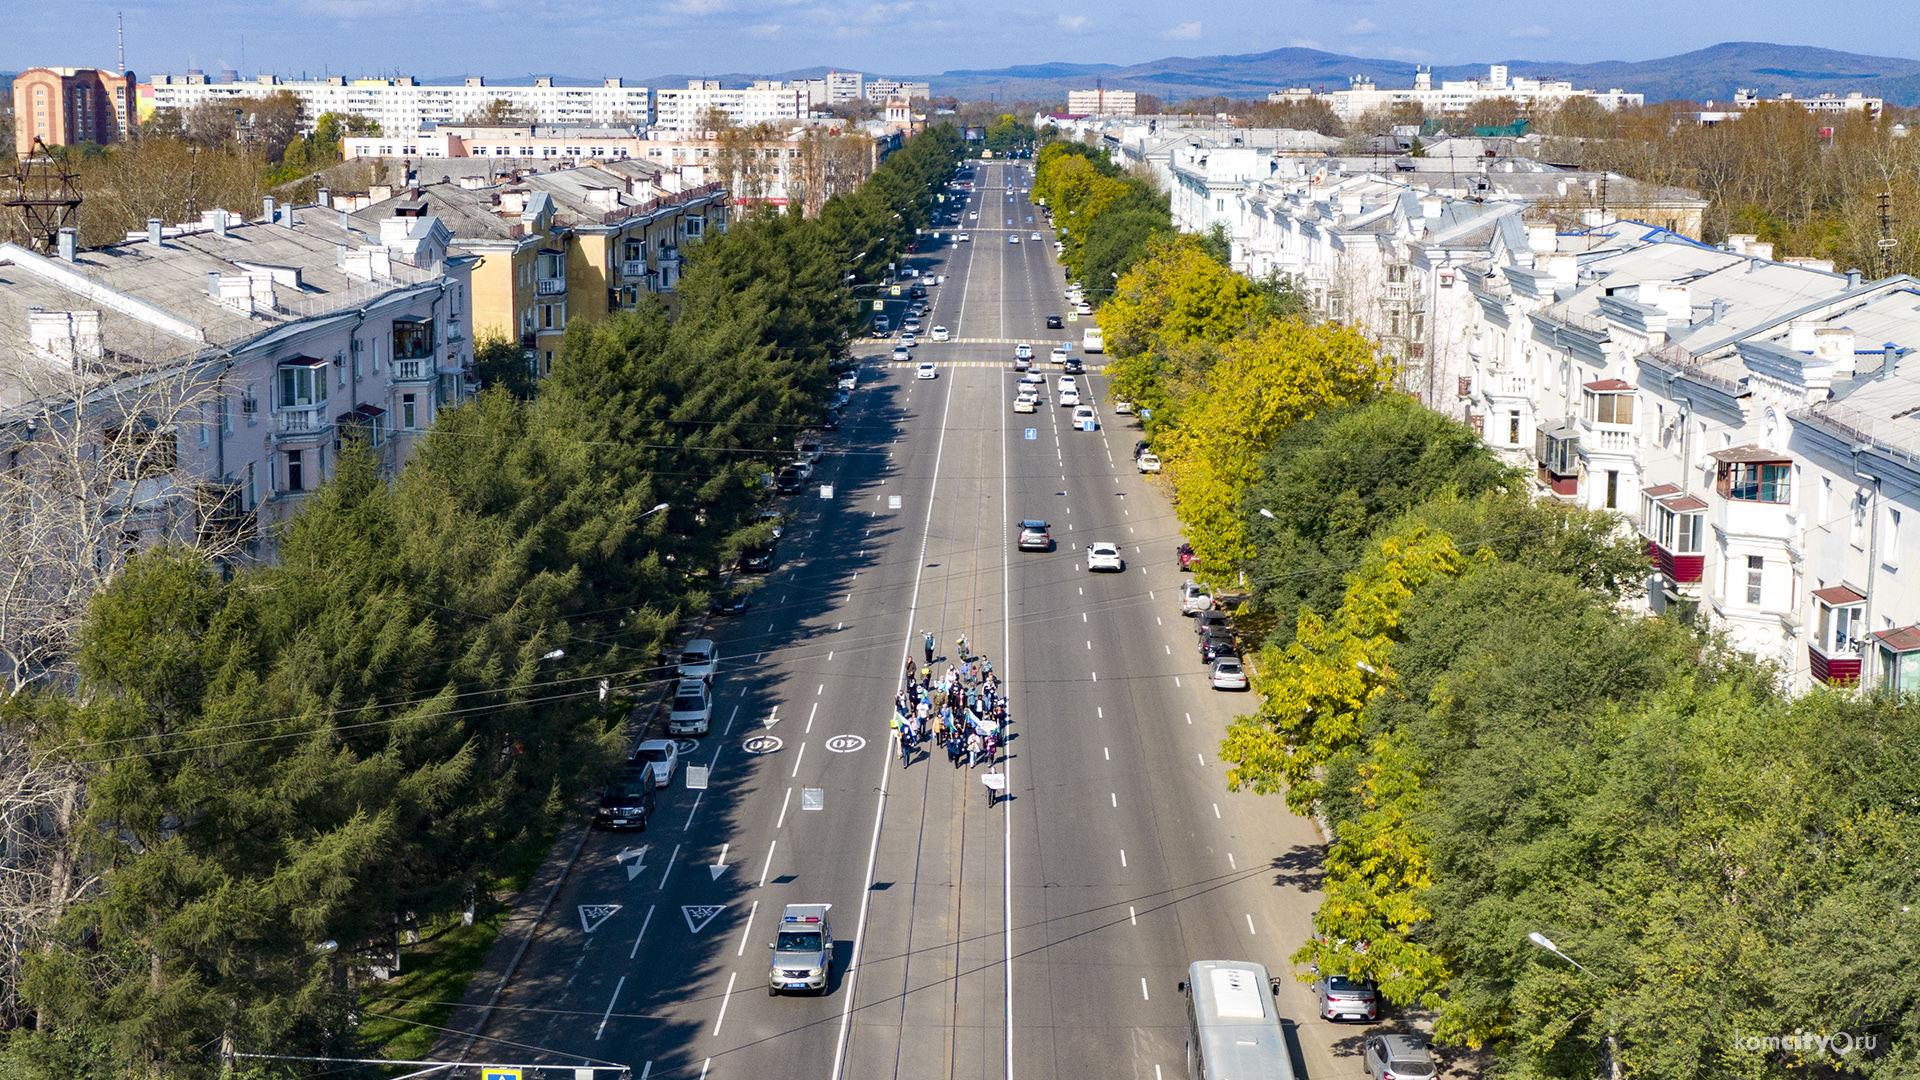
(1194, 598)
(660, 755)
(939, 334)
(1036, 236)
(1070, 397)
(962, 238)
(1123, 408)
(1025, 403)
(901, 355)
(911, 326)
(972, 217)
(925, 370)
(1023, 351)
(1083, 418)
(1148, 462)
(1035, 380)
(909, 340)
(1083, 307)
(1228, 674)
(1058, 355)
(1067, 382)
(1013, 239)
(1105, 556)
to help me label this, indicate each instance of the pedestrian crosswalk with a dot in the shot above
(1038, 343)
(1091, 369)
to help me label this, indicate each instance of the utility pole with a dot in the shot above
(1887, 240)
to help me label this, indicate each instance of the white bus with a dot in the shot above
(1093, 339)
(1233, 1023)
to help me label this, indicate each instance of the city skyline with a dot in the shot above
(694, 37)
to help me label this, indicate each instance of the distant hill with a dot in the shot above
(1710, 73)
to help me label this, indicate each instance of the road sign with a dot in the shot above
(697, 777)
(494, 1073)
(893, 290)
(1073, 316)
(826, 491)
(592, 915)
(699, 915)
(1033, 433)
(813, 798)
(879, 305)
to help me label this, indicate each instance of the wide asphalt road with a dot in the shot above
(1040, 938)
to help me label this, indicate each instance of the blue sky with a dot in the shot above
(509, 38)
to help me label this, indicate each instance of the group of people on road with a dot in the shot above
(962, 709)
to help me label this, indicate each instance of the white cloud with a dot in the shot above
(1305, 43)
(1364, 26)
(1186, 31)
(1074, 22)
(1530, 32)
(763, 29)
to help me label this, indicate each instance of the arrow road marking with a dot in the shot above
(639, 857)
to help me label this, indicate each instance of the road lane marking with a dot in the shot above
(1176, 680)
(821, 690)
(1115, 796)
(796, 760)
(1083, 616)
(1203, 759)
(1216, 811)
(642, 933)
(1169, 650)
(1143, 989)
(1230, 861)
(1106, 753)
(783, 809)
(769, 863)
(1123, 856)
(1099, 712)
(1089, 644)
(602, 1030)
(669, 869)
(1250, 928)
(748, 929)
(1131, 917)
(810, 714)
(1189, 718)
(721, 1019)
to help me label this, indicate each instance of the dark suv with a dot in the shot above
(759, 558)
(627, 803)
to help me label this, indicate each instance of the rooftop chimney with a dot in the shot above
(1853, 279)
(325, 198)
(266, 208)
(154, 231)
(69, 240)
(213, 284)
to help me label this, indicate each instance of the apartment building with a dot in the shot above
(63, 106)
(882, 92)
(528, 142)
(404, 105)
(1454, 96)
(1101, 102)
(551, 247)
(688, 110)
(216, 368)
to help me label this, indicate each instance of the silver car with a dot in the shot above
(802, 950)
(1396, 1057)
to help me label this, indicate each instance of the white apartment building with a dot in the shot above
(403, 105)
(1453, 96)
(227, 361)
(880, 92)
(682, 111)
(1101, 102)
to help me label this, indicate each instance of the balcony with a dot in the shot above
(550, 287)
(1755, 493)
(1397, 292)
(633, 271)
(304, 422)
(1607, 441)
(413, 370)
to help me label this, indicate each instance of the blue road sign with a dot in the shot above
(1033, 433)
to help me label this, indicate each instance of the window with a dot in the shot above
(1841, 628)
(296, 470)
(412, 339)
(1557, 455)
(1899, 670)
(1609, 408)
(253, 498)
(302, 385)
(409, 411)
(1756, 569)
(206, 424)
(1613, 489)
(1748, 481)
(1857, 528)
(1890, 548)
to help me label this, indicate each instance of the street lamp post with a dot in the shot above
(1613, 1041)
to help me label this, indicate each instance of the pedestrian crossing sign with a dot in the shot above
(492, 1073)
(879, 305)
(893, 290)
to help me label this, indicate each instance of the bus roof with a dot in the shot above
(1238, 1023)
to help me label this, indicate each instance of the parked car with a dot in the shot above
(732, 602)
(1104, 556)
(1148, 462)
(1034, 536)
(807, 450)
(691, 710)
(1228, 674)
(661, 756)
(1186, 556)
(1123, 408)
(830, 420)
(699, 660)
(1194, 598)
(1396, 1057)
(1211, 619)
(1342, 998)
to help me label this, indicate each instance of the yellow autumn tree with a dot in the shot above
(1261, 385)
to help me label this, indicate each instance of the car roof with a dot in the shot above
(1403, 1044)
(656, 744)
(1032, 523)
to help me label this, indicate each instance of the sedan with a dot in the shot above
(962, 238)
(1229, 675)
(901, 355)
(1025, 403)
(1083, 308)
(909, 340)
(1070, 398)
(1023, 351)
(1083, 418)
(925, 370)
(1341, 998)
(1053, 321)
(1073, 367)
(1035, 537)
(1058, 355)
(972, 217)
(1035, 237)
(1012, 239)
(1022, 364)
(1105, 556)
(1148, 462)
(939, 334)
(660, 755)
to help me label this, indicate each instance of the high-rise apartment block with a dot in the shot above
(690, 109)
(62, 106)
(404, 104)
(1101, 102)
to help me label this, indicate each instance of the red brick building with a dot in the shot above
(63, 106)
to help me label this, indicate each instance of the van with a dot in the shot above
(699, 660)
(691, 712)
(1093, 339)
(802, 950)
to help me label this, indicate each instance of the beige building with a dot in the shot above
(62, 106)
(1101, 102)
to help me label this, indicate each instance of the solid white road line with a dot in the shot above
(1230, 861)
(810, 715)
(1131, 917)
(1250, 928)
(721, 1019)
(602, 1029)
(1216, 810)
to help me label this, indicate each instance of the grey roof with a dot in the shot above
(472, 215)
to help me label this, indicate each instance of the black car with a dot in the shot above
(1072, 366)
(760, 558)
(916, 292)
(788, 480)
(627, 803)
(733, 603)
(1216, 621)
(830, 420)
(1139, 447)
(1217, 643)
(1053, 322)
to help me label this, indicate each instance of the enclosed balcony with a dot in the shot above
(1755, 489)
(1833, 655)
(300, 398)
(1674, 526)
(550, 273)
(412, 349)
(1607, 418)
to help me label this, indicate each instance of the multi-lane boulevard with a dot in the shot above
(1040, 938)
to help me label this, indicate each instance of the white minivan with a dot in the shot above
(1093, 339)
